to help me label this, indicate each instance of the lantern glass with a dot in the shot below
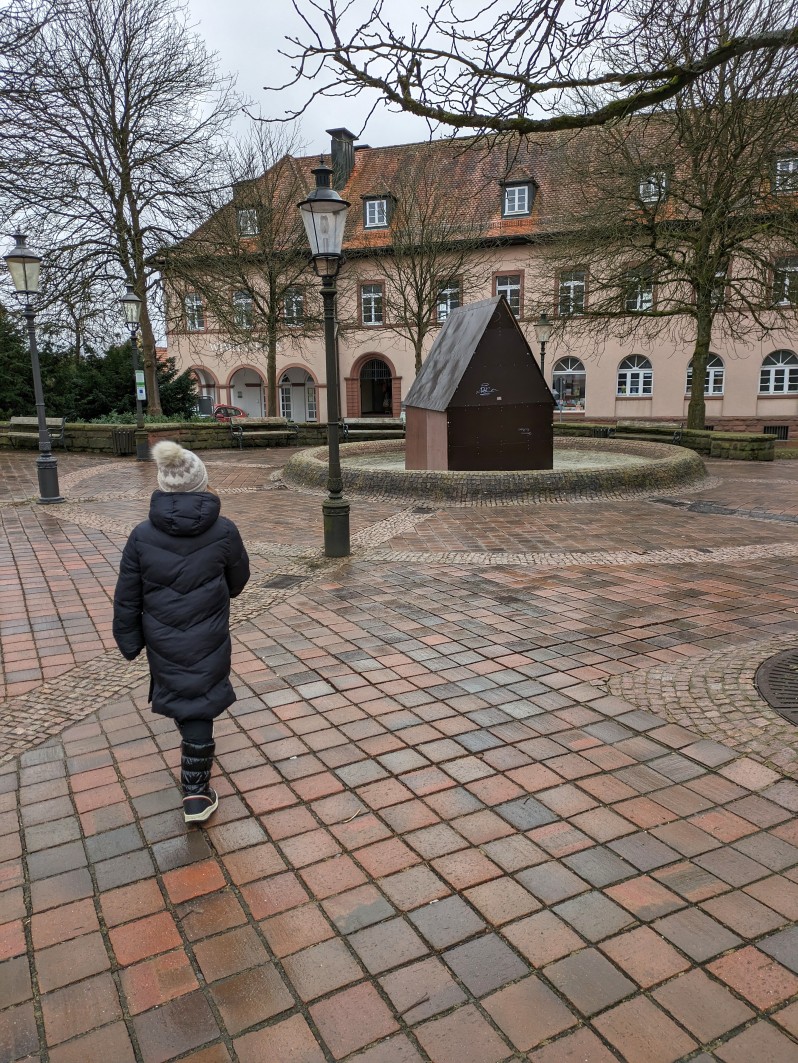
(24, 266)
(131, 305)
(543, 329)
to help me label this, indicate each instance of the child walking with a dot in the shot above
(179, 570)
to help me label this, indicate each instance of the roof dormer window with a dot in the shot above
(653, 187)
(786, 175)
(517, 199)
(375, 212)
(247, 220)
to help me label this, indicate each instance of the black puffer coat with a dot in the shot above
(179, 571)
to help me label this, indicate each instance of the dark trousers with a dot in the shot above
(198, 732)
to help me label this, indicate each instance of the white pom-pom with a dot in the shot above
(167, 453)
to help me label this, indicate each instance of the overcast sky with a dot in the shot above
(248, 35)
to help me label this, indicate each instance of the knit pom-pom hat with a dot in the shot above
(178, 469)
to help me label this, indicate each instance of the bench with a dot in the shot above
(360, 429)
(27, 428)
(277, 430)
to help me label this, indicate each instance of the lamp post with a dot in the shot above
(131, 305)
(324, 217)
(543, 330)
(24, 266)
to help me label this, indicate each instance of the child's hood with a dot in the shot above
(184, 513)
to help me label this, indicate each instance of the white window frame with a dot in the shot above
(247, 221)
(639, 294)
(194, 311)
(574, 369)
(785, 281)
(572, 291)
(294, 306)
(243, 310)
(635, 378)
(714, 378)
(653, 187)
(371, 304)
(509, 285)
(375, 214)
(785, 177)
(286, 406)
(311, 405)
(448, 299)
(778, 374)
(517, 200)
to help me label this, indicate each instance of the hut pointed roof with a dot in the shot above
(453, 349)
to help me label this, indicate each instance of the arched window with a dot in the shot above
(568, 383)
(286, 407)
(635, 376)
(779, 374)
(713, 380)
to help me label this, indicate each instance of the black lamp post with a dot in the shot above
(324, 217)
(24, 266)
(543, 330)
(131, 305)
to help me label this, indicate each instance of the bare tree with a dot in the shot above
(116, 145)
(690, 208)
(435, 249)
(511, 65)
(248, 262)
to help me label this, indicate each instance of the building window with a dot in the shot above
(780, 431)
(509, 285)
(375, 213)
(568, 383)
(294, 306)
(779, 374)
(572, 293)
(285, 398)
(310, 399)
(653, 187)
(639, 293)
(247, 218)
(635, 376)
(786, 175)
(517, 200)
(719, 289)
(195, 314)
(371, 304)
(243, 310)
(785, 281)
(713, 378)
(448, 299)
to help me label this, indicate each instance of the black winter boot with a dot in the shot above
(199, 799)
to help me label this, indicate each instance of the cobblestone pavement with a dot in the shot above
(497, 788)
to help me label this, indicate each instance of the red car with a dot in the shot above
(224, 413)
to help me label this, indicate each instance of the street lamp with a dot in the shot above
(131, 305)
(324, 217)
(543, 330)
(24, 266)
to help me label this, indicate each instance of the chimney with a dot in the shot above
(242, 189)
(342, 149)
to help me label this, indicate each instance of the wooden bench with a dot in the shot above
(361, 429)
(276, 429)
(27, 428)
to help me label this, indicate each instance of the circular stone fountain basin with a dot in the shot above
(583, 468)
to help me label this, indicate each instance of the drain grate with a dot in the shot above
(284, 581)
(776, 680)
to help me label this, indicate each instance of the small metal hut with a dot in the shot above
(480, 401)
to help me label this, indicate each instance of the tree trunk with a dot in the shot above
(271, 371)
(696, 409)
(418, 346)
(149, 360)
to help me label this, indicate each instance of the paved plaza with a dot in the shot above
(497, 788)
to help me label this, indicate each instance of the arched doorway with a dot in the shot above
(207, 386)
(376, 389)
(246, 391)
(297, 394)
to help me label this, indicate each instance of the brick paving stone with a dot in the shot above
(151, 983)
(62, 924)
(394, 1050)
(577, 1047)
(71, 961)
(251, 997)
(501, 900)
(78, 1008)
(229, 953)
(646, 898)
(589, 981)
(704, 1007)
(484, 963)
(296, 929)
(643, 1034)
(108, 1043)
(777, 893)
(551, 882)
(15, 983)
(321, 969)
(386, 945)
(743, 914)
(593, 915)
(447, 922)
(144, 937)
(273, 895)
(352, 1019)
(756, 977)
(178, 1026)
(528, 1013)
(18, 1033)
(644, 956)
(542, 938)
(762, 1042)
(291, 1039)
(462, 1037)
(421, 990)
(696, 934)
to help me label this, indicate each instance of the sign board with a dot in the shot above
(141, 391)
